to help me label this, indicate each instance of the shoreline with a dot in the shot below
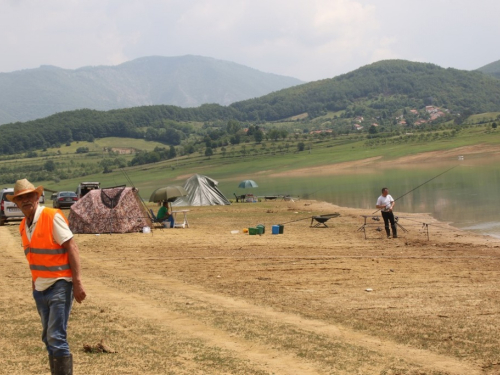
(415, 218)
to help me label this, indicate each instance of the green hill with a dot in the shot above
(382, 92)
(492, 69)
(187, 81)
(376, 86)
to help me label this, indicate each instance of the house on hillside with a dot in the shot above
(431, 109)
(121, 150)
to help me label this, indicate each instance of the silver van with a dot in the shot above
(9, 210)
(85, 187)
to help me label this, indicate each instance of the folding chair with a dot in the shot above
(156, 222)
(240, 197)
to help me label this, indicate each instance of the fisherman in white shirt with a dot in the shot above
(386, 204)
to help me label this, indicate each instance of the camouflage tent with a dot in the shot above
(112, 210)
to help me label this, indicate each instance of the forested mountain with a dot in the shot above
(492, 69)
(416, 83)
(187, 81)
(382, 90)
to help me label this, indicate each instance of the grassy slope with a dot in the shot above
(148, 177)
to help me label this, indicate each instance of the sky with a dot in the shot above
(308, 39)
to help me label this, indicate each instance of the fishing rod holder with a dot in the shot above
(362, 228)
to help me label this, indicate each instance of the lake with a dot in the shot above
(468, 196)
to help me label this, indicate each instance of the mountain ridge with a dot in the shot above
(492, 69)
(184, 81)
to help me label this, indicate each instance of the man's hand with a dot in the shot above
(74, 263)
(78, 291)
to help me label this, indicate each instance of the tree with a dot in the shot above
(494, 125)
(209, 152)
(235, 139)
(49, 166)
(172, 153)
(372, 130)
(301, 146)
(258, 135)
(232, 127)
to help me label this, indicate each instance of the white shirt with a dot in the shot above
(61, 234)
(385, 201)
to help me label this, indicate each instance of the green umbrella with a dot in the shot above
(168, 194)
(248, 184)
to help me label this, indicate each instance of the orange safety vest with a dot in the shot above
(45, 256)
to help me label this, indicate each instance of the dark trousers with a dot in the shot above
(389, 217)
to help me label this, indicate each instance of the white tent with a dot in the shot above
(202, 191)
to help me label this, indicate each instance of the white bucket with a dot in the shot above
(166, 224)
(146, 230)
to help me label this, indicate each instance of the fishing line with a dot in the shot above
(412, 190)
(142, 200)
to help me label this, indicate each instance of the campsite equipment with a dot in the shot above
(146, 230)
(168, 194)
(275, 229)
(202, 191)
(245, 230)
(235, 231)
(322, 219)
(252, 231)
(248, 184)
(110, 210)
(420, 186)
(261, 228)
(281, 228)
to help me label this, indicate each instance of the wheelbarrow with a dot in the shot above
(320, 221)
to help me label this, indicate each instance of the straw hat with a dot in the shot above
(24, 187)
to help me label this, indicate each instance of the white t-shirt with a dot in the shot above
(386, 201)
(61, 234)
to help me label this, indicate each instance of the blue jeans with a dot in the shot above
(170, 219)
(54, 305)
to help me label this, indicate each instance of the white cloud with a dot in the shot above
(309, 40)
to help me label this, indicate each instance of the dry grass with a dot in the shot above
(203, 301)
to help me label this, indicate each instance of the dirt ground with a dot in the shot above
(201, 300)
(480, 152)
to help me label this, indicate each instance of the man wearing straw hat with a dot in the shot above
(54, 262)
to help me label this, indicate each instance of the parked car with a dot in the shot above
(64, 199)
(8, 210)
(85, 187)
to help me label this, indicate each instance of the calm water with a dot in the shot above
(468, 196)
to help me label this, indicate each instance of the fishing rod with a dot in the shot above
(412, 190)
(142, 200)
(128, 178)
(293, 221)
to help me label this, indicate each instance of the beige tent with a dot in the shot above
(112, 210)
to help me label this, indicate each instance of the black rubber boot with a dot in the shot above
(394, 231)
(387, 230)
(51, 363)
(63, 365)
